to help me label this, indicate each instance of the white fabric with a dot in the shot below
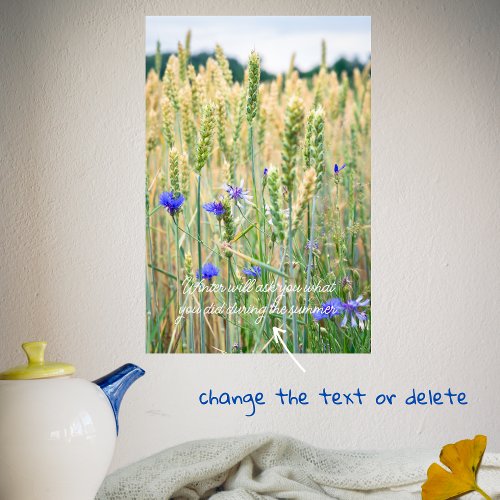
(270, 466)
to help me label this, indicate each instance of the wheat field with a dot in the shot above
(257, 208)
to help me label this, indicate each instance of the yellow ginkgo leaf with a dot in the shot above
(463, 459)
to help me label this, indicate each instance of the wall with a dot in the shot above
(72, 224)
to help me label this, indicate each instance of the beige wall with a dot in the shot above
(72, 223)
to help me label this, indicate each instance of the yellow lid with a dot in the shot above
(37, 367)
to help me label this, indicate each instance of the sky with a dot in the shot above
(274, 38)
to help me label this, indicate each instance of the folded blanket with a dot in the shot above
(271, 466)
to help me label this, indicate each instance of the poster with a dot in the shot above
(258, 174)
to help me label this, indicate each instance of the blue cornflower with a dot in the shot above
(312, 244)
(352, 310)
(208, 271)
(328, 310)
(171, 202)
(266, 171)
(215, 207)
(253, 272)
(337, 169)
(319, 315)
(237, 193)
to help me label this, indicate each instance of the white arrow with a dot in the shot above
(277, 338)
